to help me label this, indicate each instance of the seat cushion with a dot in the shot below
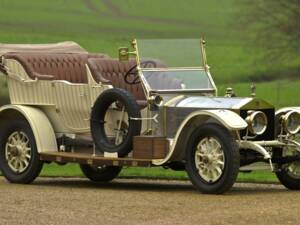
(112, 71)
(57, 66)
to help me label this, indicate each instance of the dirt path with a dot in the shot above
(125, 201)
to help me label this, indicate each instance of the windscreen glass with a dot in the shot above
(173, 64)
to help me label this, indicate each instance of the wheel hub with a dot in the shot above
(209, 159)
(18, 151)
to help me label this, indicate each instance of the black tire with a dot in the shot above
(284, 176)
(231, 159)
(97, 121)
(100, 174)
(34, 163)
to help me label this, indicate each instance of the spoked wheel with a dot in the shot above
(115, 121)
(209, 159)
(19, 161)
(289, 174)
(212, 159)
(100, 173)
(116, 125)
(18, 151)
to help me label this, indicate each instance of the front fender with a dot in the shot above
(229, 119)
(39, 123)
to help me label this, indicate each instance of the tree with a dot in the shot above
(274, 27)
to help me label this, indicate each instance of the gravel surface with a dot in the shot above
(134, 201)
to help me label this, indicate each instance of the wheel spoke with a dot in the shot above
(11, 145)
(15, 163)
(219, 170)
(219, 162)
(209, 159)
(18, 151)
(119, 124)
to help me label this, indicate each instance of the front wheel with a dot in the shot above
(212, 159)
(100, 173)
(288, 174)
(19, 159)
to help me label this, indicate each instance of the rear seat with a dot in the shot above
(112, 71)
(55, 66)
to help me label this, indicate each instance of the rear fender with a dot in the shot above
(38, 121)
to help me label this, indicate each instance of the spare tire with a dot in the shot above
(123, 108)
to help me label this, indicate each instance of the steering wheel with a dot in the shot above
(131, 77)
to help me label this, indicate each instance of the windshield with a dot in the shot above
(174, 64)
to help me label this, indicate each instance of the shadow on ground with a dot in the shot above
(155, 186)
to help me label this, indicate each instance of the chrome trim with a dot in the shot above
(286, 109)
(186, 91)
(147, 88)
(254, 146)
(251, 117)
(156, 69)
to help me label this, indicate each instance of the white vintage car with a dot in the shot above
(157, 108)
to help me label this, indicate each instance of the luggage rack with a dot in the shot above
(90, 159)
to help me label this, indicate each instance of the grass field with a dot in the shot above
(103, 26)
(156, 173)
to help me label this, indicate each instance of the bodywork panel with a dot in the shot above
(40, 125)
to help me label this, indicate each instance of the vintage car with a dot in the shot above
(159, 107)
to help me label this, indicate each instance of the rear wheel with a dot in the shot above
(100, 173)
(212, 159)
(19, 159)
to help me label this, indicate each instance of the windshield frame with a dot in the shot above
(148, 90)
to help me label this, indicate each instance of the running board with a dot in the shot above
(90, 159)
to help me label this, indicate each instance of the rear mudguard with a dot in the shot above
(38, 121)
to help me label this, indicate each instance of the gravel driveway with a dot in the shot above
(131, 201)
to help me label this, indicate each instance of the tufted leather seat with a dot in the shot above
(112, 71)
(55, 66)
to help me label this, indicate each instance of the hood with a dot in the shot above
(204, 102)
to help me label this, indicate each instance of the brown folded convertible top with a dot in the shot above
(61, 47)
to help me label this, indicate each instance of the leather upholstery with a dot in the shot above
(54, 66)
(2, 69)
(112, 71)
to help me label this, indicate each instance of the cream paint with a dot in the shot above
(40, 125)
(73, 110)
(229, 119)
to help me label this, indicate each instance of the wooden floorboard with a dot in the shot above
(86, 158)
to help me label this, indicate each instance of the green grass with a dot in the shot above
(73, 170)
(99, 28)
(279, 93)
